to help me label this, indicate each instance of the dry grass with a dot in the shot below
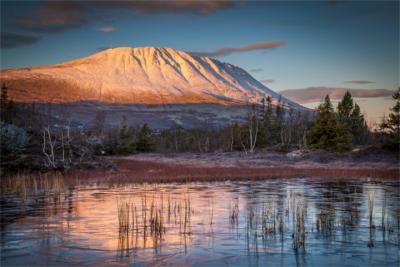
(151, 171)
(31, 186)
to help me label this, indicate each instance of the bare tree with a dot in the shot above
(253, 128)
(48, 147)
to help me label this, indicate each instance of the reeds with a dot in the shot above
(370, 208)
(124, 209)
(234, 213)
(149, 217)
(384, 203)
(299, 234)
(31, 187)
(325, 223)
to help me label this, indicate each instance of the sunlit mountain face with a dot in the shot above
(148, 75)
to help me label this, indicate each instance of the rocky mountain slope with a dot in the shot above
(148, 75)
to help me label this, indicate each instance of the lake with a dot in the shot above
(277, 222)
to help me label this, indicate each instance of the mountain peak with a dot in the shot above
(146, 75)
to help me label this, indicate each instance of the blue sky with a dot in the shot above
(333, 44)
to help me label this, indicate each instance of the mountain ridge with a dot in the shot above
(145, 75)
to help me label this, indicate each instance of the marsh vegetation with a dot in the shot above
(290, 221)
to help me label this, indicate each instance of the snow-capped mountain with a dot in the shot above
(147, 75)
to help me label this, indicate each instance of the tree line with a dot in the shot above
(32, 139)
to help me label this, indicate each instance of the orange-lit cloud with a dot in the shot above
(359, 82)
(107, 29)
(194, 6)
(250, 47)
(59, 16)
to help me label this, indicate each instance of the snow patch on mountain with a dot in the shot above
(147, 75)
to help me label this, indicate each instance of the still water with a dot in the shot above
(293, 222)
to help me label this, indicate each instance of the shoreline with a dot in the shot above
(234, 166)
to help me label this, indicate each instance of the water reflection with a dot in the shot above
(285, 222)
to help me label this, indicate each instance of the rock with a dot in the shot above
(296, 154)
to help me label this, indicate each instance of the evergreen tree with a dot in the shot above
(352, 119)
(264, 138)
(345, 108)
(358, 126)
(327, 133)
(4, 94)
(277, 122)
(125, 143)
(7, 107)
(390, 127)
(144, 143)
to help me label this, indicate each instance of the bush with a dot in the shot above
(13, 139)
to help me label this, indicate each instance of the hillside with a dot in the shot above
(148, 75)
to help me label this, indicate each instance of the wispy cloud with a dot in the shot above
(13, 40)
(359, 82)
(250, 47)
(256, 70)
(107, 29)
(314, 94)
(268, 81)
(59, 16)
(194, 6)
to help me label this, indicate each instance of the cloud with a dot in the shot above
(107, 29)
(60, 16)
(316, 94)
(192, 6)
(13, 40)
(55, 17)
(267, 81)
(256, 70)
(359, 82)
(250, 47)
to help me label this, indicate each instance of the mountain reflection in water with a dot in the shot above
(275, 222)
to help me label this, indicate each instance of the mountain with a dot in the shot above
(147, 75)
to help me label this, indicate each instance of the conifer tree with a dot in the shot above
(345, 108)
(266, 127)
(144, 143)
(358, 126)
(125, 142)
(391, 127)
(327, 133)
(352, 119)
(7, 107)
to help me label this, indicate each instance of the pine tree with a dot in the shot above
(358, 126)
(390, 127)
(266, 126)
(4, 102)
(144, 143)
(352, 120)
(277, 122)
(7, 107)
(345, 108)
(327, 133)
(125, 143)
(4, 94)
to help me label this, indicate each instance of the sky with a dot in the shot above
(286, 45)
